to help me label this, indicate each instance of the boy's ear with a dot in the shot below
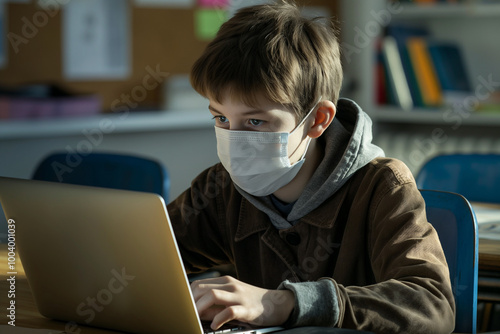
(324, 115)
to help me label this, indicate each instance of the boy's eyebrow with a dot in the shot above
(213, 109)
(249, 112)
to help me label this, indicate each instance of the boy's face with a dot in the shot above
(267, 116)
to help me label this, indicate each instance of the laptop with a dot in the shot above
(102, 257)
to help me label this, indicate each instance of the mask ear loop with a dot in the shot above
(300, 124)
(307, 116)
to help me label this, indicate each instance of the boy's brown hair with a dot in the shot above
(272, 50)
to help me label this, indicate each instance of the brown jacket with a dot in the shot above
(391, 275)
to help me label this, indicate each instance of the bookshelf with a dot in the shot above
(394, 115)
(445, 10)
(473, 25)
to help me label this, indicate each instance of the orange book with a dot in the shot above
(425, 73)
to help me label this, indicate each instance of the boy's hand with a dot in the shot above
(224, 299)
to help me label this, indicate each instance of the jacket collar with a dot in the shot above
(252, 220)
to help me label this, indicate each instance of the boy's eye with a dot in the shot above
(220, 119)
(256, 122)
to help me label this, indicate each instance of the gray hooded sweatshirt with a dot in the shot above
(348, 148)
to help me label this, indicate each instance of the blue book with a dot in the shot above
(450, 66)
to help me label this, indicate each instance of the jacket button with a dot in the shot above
(293, 238)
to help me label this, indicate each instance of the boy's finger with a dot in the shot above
(203, 288)
(211, 312)
(215, 297)
(214, 280)
(230, 313)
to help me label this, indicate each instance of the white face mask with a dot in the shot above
(258, 162)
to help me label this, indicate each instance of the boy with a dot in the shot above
(321, 228)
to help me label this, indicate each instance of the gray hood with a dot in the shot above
(348, 147)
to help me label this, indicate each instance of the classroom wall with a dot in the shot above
(161, 37)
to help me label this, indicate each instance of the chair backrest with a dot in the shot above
(475, 176)
(105, 170)
(453, 218)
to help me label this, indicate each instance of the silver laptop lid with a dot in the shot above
(100, 257)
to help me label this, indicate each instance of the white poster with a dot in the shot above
(96, 40)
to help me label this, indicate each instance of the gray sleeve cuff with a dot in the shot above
(316, 303)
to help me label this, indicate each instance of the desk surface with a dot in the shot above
(489, 247)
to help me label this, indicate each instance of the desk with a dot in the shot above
(488, 215)
(489, 255)
(28, 316)
(489, 272)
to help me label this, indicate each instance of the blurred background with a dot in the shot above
(86, 76)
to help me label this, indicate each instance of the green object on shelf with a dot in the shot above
(493, 108)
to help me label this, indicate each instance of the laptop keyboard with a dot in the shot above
(226, 328)
(220, 330)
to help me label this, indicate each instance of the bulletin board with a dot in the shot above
(162, 38)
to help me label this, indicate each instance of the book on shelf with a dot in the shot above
(25, 107)
(451, 70)
(425, 72)
(381, 78)
(401, 33)
(432, 70)
(395, 75)
(44, 101)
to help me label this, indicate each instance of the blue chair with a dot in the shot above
(475, 176)
(455, 222)
(105, 170)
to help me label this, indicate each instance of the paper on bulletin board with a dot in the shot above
(96, 40)
(208, 22)
(165, 3)
(214, 3)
